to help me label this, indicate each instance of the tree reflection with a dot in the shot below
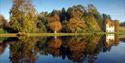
(2, 47)
(22, 51)
(52, 46)
(76, 48)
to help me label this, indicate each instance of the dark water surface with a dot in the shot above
(73, 49)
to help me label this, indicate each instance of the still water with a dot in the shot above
(72, 49)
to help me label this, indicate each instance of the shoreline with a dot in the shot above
(57, 34)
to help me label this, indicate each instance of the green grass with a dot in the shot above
(9, 35)
(55, 34)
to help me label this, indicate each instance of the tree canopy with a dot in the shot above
(24, 18)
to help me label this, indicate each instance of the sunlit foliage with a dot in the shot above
(23, 16)
(54, 23)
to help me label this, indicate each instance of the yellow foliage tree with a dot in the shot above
(76, 25)
(23, 16)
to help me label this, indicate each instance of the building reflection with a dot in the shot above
(110, 38)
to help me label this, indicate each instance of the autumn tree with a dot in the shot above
(54, 43)
(54, 22)
(75, 22)
(76, 25)
(117, 25)
(3, 22)
(23, 16)
(76, 11)
(92, 23)
(93, 11)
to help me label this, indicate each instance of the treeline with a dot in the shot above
(122, 24)
(24, 18)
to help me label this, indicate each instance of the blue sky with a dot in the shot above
(115, 8)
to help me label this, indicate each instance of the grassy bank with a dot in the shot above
(120, 33)
(42, 34)
(55, 34)
(9, 35)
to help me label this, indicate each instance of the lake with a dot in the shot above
(66, 49)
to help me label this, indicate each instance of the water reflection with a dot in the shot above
(76, 48)
(111, 40)
(2, 48)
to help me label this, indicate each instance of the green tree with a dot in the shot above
(23, 16)
(105, 16)
(63, 15)
(42, 22)
(3, 24)
(92, 10)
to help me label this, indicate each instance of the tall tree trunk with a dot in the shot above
(55, 36)
(54, 31)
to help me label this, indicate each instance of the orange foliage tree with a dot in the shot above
(54, 23)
